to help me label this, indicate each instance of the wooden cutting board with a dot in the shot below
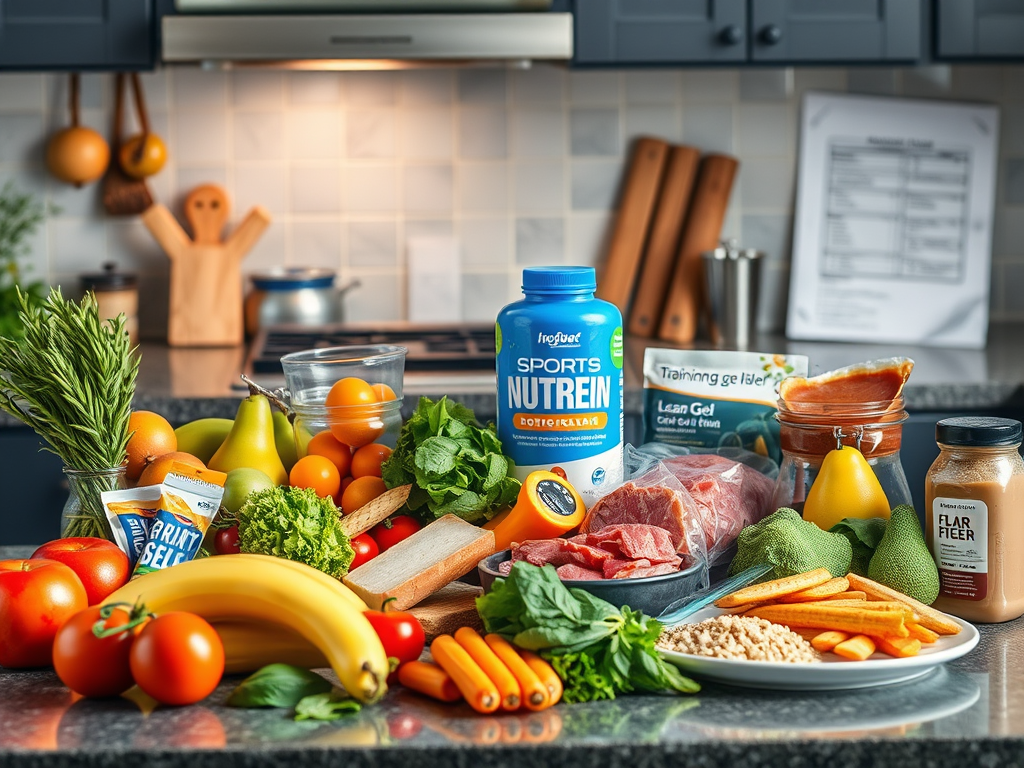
(703, 228)
(636, 208)
(663, 243)
(206, 276)
(448, 609)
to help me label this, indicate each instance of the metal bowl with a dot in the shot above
(652, 594)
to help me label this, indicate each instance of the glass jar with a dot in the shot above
(83, 513)
(808, 431)
(354, 425)
(974, 518)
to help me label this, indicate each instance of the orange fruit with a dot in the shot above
(157, 469)
(151, 436)
(327, 445)
(366, 461)
(316, 472)
(351, 391)
(354, 412)
(361, 491)
(384, 392)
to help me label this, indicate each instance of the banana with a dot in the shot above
(250, 645)
(313, 573)
(276, 591)
(203, 437)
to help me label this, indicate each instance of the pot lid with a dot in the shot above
(293, 278)
(109, 279)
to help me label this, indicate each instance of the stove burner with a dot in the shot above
(431, 348)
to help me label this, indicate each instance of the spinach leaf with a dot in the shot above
(277, 685)
(325, 706)
(864, 535)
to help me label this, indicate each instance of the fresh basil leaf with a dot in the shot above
(277, 685)
(325, 706)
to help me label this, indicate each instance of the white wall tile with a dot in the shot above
(874, 81)
(21, 92)
(483, 295)
(200, 137)
(540, 241)
(482, 86)
(270, 251)
(482, 132)
(371, 89)
(379, 297)
(156, 87)
(265, 185)
(258, 136)
(370, 133)
(422, 226)
(768, 184)
(78, 245)
(539, 187)
(314, 88)
(766, 130)
(372, 244)
(426, 86)
(257, 88)
(594, 132)
(315, 244)
(483, 187)
(485, 241)
(663, 122)
(70, 201)
(22, 138)
(540, 84)
(314, 134)
(766, 84)
(589, 234)
(130, 245)
(652, 86)
(539, 132)
(594, 88)
(427, 133)
(427, 188)
(370, 188)
(193, 88)
(717, 86)
(595, 184)
(315, 189)
(709, 128)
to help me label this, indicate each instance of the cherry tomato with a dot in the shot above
(361, 491)
(354, 412)
(226, 541)
(400, 633)
(316, 472)
(560, 472)
(36, 597)
(327, 445)
(366, 549)
(90, 665)
(100, 564)
(178, 658)
(384, 392)
(351, 391)
(367, 460)
(394, 530)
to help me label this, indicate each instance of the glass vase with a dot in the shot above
(83, 513)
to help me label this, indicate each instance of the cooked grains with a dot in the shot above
(739, 637)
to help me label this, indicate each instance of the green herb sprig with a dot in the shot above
(71, 377)
(20, 216)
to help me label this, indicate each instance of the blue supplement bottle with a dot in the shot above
(560, 378)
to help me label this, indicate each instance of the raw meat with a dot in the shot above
(571, 572)
(639, 571)
(654, 505)
(636, 541)
(542, 552)
(587, 555)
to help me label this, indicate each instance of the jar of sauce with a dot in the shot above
(974, 518)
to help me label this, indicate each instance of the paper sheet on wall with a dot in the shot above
(893, 231)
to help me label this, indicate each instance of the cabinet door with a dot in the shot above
(660, 31)
(76, 34)
(979, 29)
(786, 31)
(34, 489)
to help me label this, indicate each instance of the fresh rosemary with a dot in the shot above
(71, 377)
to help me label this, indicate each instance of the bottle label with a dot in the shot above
(960, 546)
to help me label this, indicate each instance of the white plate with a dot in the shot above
(833, 673)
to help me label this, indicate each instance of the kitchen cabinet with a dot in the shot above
(746, 31)
(34, 489)
(979, 29)
(76, 34)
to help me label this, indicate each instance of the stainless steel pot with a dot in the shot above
(297, 295)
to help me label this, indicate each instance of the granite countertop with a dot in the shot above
(967, 712)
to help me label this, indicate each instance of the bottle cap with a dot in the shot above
(559, 280)
(978, 431)
(109, 279)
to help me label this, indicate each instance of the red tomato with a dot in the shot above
(392, 531)
(90, 665)
(226, 541)
(36, 597)
(366, 549)
(178, 658)
(560, 472)
(100, 564)
(400, 633)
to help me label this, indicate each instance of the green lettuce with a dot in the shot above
(454, 465)
(296, 524)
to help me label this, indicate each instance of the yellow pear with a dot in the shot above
(846, 486)
(284, 437)
(250, 443)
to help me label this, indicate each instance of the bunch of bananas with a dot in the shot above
(268, 609)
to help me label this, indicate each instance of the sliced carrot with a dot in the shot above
(546, 673)
(824, 642)
(923, 634)
(850, 594)
(900, 647)
(835, 586)
(535, 693)
(429, 679)
(824, 615)
(928, 616)
(857, 648)
(472, 682)
(493, 667)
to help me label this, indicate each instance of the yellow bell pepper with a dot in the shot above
(846, 486)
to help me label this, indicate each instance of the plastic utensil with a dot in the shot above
(685, 606)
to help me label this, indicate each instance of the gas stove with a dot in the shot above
(439, 355)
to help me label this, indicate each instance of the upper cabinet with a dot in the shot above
(740, 31)
(76, 34)
(979, 29)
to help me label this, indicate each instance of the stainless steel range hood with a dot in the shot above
(328, 34)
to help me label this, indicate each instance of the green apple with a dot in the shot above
(240, 483)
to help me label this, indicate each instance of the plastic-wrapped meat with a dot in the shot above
(542, 552)
(655, 505)
(637, 570)
(636, 542)
(729, 495)
(572, 572)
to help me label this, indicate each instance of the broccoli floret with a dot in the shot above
(791, 545)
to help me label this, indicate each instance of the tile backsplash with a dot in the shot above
(521, 166)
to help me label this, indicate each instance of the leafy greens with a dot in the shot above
(598, 650)
(455, 465)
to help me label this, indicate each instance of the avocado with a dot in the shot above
(790, 545)
(902, 560)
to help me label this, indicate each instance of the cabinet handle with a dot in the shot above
(731, 35)
(770, 35)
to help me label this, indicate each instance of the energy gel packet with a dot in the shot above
(131, 513)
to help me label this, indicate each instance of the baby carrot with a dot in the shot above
(493, 667)
(857, 648)
(923, 634)
(826, 641)
(546, 673)
(535, 693)
(474, 684)
(428, 679)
